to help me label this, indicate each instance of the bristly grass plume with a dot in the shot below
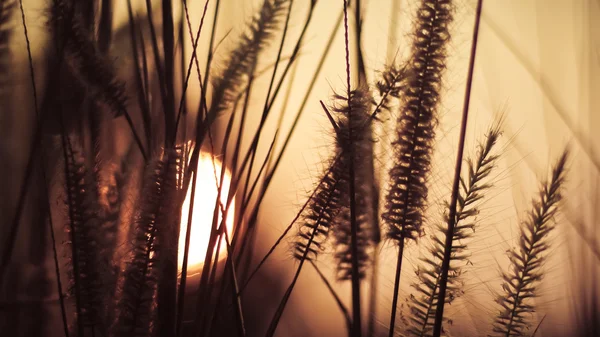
(406, 199)
(355, 115)
(390, 86)
(525, 272)
(83, 227)
(474, 185)
(155, 233)
(93, 70)
(241, 61)
(124, 196)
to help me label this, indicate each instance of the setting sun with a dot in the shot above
(209, 172)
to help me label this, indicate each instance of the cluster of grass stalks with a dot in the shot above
(122, 212)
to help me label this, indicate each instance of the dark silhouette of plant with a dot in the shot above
(521, 280)
(474, 183)
(123, 195)
(406, 199)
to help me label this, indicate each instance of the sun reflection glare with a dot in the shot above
(209, 173)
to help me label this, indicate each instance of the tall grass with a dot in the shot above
(119, 195)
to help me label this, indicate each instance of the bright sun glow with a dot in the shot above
(209, 172)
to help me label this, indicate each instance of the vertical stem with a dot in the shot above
(439, 314)
(168, 46)
(373, 294)
(105, 29)
(67, 153)
(59, 286)
(202, 106)
(396, 287)
(186, 254)
(182, 110)
(362, 76)
(356, 317)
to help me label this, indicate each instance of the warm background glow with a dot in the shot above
(209, 173)
(539, 58)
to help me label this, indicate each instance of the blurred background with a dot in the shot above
(538, 65)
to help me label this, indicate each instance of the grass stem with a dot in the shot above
(439, 314)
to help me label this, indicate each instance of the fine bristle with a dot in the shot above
(525, 272)
(83, 228)
(474, 185)
(151, 249)
(407, 198)
(94, 71)
(320, 213)
(329, 206)
(392, 83)
(226, 99)
(355, 116)
(242, 59)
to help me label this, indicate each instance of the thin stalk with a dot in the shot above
(278, 58)
(12, 234)
(186, 250)
(193, 59)
(540, 324)
(223, 225)
(206, 314)
(362, 76)
(183, 68)
(288, 228)
(373, 294)
(337, 299)
(213, 32)
(271, 173)
(234, 185)
(238, 142)
(356, 317)
(294, 54)
(202, 108)
(396, 287)
(238, 301)
(61, 296)
(253, 147)
(168, 50)
(142, 89)
(284, 106)
(245, 204)
(159, 70)
(279, 312)
(146, 81)
(59, 287)
(271, 170)
(104, 41)
(266, 107)
(66, 147)
(105, 26)
(266, 111)
(209, 270)
(439, 314)
(216, 232)
(30, 59)
(136, 137)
